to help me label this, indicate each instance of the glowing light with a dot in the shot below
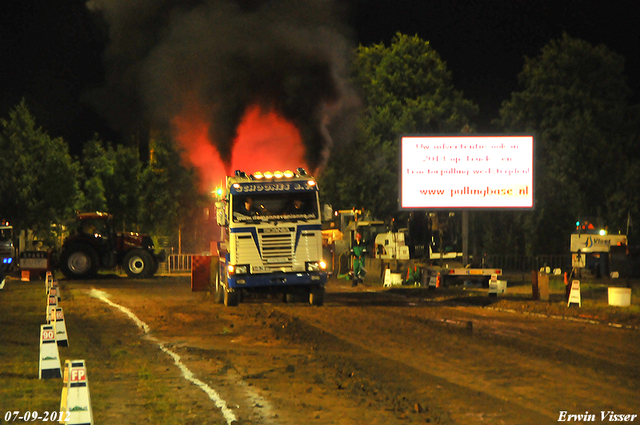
(265, 140)
(191, 131)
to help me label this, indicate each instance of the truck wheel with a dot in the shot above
(219, 289)
(138, 264)
(231, 299)
(78, 262)
(316, 295)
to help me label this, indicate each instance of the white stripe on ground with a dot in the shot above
(213, 394)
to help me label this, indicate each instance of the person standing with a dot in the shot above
(358, 252)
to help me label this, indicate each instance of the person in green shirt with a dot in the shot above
(358, 251)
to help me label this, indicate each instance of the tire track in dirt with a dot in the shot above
(508, 378)
(370, 368)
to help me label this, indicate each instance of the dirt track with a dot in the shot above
(371, 356)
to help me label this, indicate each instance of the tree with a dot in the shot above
(95, 166)
(110, 181)
(169, 199)
(407, 90)
(38, 176)
(575, 100)
(123, 186)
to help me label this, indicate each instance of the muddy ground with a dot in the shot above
(370, 355)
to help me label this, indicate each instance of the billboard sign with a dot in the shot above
(465, 172)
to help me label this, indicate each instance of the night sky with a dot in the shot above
(51, 51)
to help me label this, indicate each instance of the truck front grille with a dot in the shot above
(277, 250)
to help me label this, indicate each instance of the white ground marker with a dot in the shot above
(49, 365)
(188, 375)
(57, 320)
(75, 397)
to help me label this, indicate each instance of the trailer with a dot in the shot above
(480, 275)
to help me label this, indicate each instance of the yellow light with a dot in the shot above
(603, 232)
(277, 174)
(236, 185)
(322, 265)
(231, 268)
(258, 175)
(268, 175)
(311, 183)
(288, 174)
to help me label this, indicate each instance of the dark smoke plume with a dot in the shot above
(290, 55)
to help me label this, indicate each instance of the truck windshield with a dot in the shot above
(275, 207)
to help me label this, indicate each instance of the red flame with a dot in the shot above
(265, 141)
(192, 133)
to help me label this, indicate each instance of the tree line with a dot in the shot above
(573, 97)
(42, 185)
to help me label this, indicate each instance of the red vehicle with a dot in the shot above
(94, 244)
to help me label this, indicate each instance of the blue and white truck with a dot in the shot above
(272, 240)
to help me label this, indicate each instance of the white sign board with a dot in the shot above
(596, 243)
(466, 172)
(574, 295)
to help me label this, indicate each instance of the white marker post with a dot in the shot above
(55, 284)
(76, 399)
(49, 365)
(57, 320)
(493, 285)
(63, 396)
(574, 295)
(47, 281)
(52, 304)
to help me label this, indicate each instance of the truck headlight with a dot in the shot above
(237, 269)
(316, 266)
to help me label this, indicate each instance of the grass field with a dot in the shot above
(130, 380)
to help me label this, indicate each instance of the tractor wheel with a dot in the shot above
(156, 266)
(79, 262)
(138, 264)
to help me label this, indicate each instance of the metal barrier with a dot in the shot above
(177, 263)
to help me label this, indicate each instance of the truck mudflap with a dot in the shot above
(275, 280)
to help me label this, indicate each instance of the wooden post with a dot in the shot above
(465, 238)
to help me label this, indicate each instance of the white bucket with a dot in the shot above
(620, 297)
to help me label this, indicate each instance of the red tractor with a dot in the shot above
(94, 244)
